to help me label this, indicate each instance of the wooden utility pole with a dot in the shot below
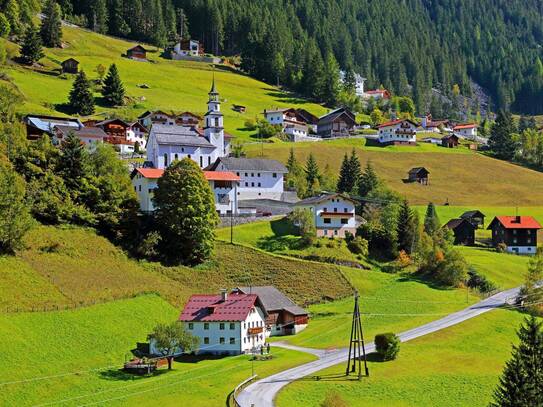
(357, 351)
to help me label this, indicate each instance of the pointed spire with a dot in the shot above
(213, 87)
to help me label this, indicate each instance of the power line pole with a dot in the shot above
(356, 344)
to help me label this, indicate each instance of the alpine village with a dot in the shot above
(256, 203)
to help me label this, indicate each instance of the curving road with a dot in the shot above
(262, 392)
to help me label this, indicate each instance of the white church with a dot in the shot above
(170, 142)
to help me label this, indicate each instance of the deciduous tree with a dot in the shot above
(170, 339)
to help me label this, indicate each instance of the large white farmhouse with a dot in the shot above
(170, 142)
(334, 214)
(401, 131)
(223, 184)
(228, 324)
(468, 130)
(292, 122)
(259, 178)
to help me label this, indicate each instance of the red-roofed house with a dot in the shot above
(377, 94)
(224, 185)
(467, 130)
(401, 131)
(519, 233)
(225, 323)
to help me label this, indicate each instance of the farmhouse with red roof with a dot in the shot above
(466, 130)
(519, 233)
(401, 131)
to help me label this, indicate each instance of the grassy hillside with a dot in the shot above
(458, 366)
(66, 267)
(174, 85)
(73, 358)
(462, 178)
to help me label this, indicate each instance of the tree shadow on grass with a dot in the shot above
(283, 237)
(198, 358)
(121, 375)
(426, 280)
(285, 96)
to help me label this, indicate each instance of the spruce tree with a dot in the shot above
(354, 171)
(431, 220)
(330, 92)
(72, 165)
(501, 140)
(31, 48)
(344, 176)
(81, 100)
(369, 181)
(407, 228)
(113, 89)
(312, 175)
(51, 25)
(521, 383)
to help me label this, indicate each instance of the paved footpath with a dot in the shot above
(262, 392)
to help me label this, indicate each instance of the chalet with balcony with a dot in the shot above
(117, 134)
(398, 132)
(464, 231)
(284, 317)
(292, 123)
(518, 233)
(334, 214)
(149, 118)
(337, 123)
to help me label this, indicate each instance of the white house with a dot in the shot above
(334, 214)
(187, 48)
(401, 131)
(259, 178)
(290, 120)
(468, 130)
(226, 324)
(168, 143)
(377, 94)
(136, 132)
(223, 184)
(148, 118)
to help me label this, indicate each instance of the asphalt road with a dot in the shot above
(263, 392)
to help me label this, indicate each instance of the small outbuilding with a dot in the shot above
(419, 174)
(239, 108)
(70, 65)
(450, 141)
(137, 52)
(464, 231)
(476, 218)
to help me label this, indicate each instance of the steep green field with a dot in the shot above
(460, 177)
(72, 358)
(458, 366)
(174, 85)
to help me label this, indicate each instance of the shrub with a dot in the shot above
(480, 282)
(304, 221)
(387, 345)
(501, 248)
(358, 245)
(334, 399)
(250, 124)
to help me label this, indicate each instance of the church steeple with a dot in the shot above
(213, 130)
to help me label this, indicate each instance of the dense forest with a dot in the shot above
(407, 46)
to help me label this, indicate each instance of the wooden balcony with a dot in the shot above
(255, 331)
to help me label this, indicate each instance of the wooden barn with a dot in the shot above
(464, 231)
(137, 52)
(476, 217)
(450, 141)
(70, 66)
(418, 174)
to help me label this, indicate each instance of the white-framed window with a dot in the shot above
(206, 325)
(206, 340)
(232, 326)
(221, 326)
(232, 341)
(221, 340)
(191, 325)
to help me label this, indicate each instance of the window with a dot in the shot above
(206, 325)
(176, 157)
(165, 160)
(191, 325)
(232, 341)
(335, 210)
(237, 173)
(277, 328)
(216, 122)
(259, 184)
(151, 190)
(221, 341)
(139, 188)
(232, 326)
(221, 326)
(244, 340)
(529, 232)
(135, 189)
(345, 210)
(201, 161)
(325, 209)
(344, 221)
(327, 221)
(246, 184)
(206, 340)
(208, 160)
(258, 174)
(514, 231)
(515, 240)
(182, 149)
(244, 325)
(246, 174)
(335, 232)
(252, 174)
(274, 175)
(188, 156)
(252, 184)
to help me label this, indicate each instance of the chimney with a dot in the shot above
(224, 294)
(517, 219)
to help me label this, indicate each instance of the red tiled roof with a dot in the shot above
(465, 126)
(210, 308)
(394, 122)
(153, 173)
(520, 222)
(221, 176)
(373, 92)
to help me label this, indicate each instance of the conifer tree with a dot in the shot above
(72, 164)
(51, 25)
(31, 48)
(81, 99)
(354, 171)
(312, 175)
(501, 140)
(407, 228)
(369, 181)
(431, 220)
(113, 89)
(344, 175)
(521, 383)
(331, 80)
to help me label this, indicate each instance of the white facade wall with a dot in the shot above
(258, 184)
(226, 199)
(162, 155)
(335, 228)
(531, 250)
(295, 132)
(135, 134)
(466, 133)
(388, 134)
(275, 117)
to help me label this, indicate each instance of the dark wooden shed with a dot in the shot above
(419, 174)
(476, 217)
(137, 52)
(450, 141)
(70, 66)
(464, 231)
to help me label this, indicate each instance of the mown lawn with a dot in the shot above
(72, 358)
(458, 366)
(174, 85)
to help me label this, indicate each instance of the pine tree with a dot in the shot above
(31, 48)
(431, 220)
(521, 383)
(354, 171)
(407, 228)
(51, 25)
(81, 100)
(501, 140)
(369, 181)
(344, 175)
(116, 23)
(113, 89)
(292, 164)
(349, 82)
(97, 16)
(312, 175)
(331, 88)
(72, 165)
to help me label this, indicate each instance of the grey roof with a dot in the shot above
(251, 164)
(83, 132)
(416, 170)
(470, 214)
(179, 135)
(274, 300)
(334, 114)
(48, 123)
(321, 198)
(454, 223)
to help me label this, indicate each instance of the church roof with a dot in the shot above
(179, 135)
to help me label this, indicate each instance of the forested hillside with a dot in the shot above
(407, 46)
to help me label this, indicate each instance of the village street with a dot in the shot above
(263, 392)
